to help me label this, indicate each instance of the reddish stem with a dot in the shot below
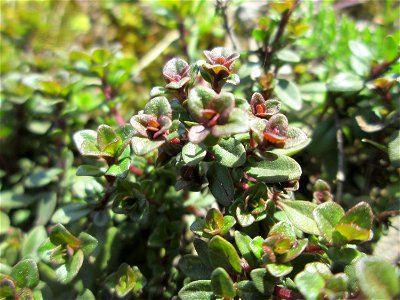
(109, 94)
(378, 70)
(287, 294)
(242, 185)
(313, 249)
(135, 171)
(249, 178)
(120, 120)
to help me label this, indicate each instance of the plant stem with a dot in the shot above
(287, 294)
(109, 94)
(383, 216)
(270, 48)
(182, 35)
(379, 70)
(340, 175)
(222, 7)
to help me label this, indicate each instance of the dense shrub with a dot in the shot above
(114, 185)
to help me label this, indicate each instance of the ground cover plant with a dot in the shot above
(251, 151)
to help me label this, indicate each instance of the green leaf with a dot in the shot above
(278, 244)
(4, 222)
(284, 229)
(42, 177)
(222, 284)
(360, 50)
(10, 199)
(311, 281)
(391, 48)
(46, 249)
(39, 127)
(237, 123)
(119, 169)
(26, 273)
(343, 256)
(175, 66)
(68, 271)
(223, 254)
(59, 235)
(26, 294)
(243, 243)
(158, 106)
(247, 291)
(90, 149)
(198, 99)
(294, 251)
(220, 71)
(245, 218)
(193, 154)
(296, 140)
(353, 284)
(300, 214)
(201, 248)
(194, 268)
(84, 135)
(45, 208)
(197, 226)
(107, 139)
(233, 79)
(89, 170)
(359, 66)
(356, 224)
(32, 242)
(221, 184)
(289, 94)
(230, 153)
(142, 146)
(275, 168)
(337, 283)
(88, 243)
(197, 290)
(394, 149)
(282, 6)
(7, 287)
(70, 213)
(125, 280)
(279, 270)
(378, 278)
(259, 34)
(157, 91)
(313, 92)
(125, 133)
(117, 77)
(263, 281)
(101, 217)
(4, 269)
(287, 55)
(86, 295)
(229, 222)
(198, 134)
(214, 221)
(101, 56)
(327, 215)
(345, 82)
(86, 100)
(256, 246)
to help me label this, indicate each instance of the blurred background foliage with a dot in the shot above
(60, 60)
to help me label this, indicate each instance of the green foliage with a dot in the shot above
(385, 284)
(215, 184)
(125, 280)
